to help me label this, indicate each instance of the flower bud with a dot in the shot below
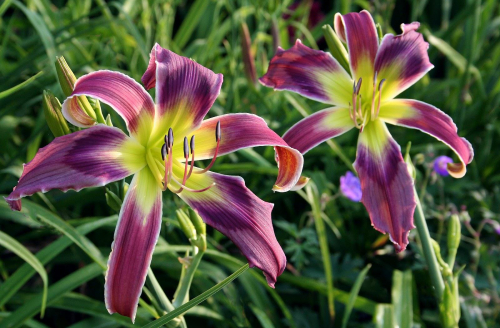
(409, 163)
(186, 225)
(275, 33)
(246, 51)
(113, 200)
(65, 75)
(197, 221)
(454, 233)
(53, 115)
(336, 47)
(67, 82)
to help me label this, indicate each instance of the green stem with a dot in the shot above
(182, 293)
(428, 250)
(313, 198)
(162, 297)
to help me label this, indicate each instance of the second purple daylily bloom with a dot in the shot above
(166, 137)
(364, 99)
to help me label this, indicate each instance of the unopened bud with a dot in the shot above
(53, 115)
(65, 75)
(108, 120)
(197, 221)
(454, 232)
(409, 163)
(336, 47)
(246, 51)
(113, 200)
(186, 225)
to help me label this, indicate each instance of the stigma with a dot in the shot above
(169, 180)
(359, 115)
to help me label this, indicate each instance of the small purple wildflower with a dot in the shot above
(350, 186)
(440, 164)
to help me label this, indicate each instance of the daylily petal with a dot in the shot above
(359, 32)
(387, 188)
(127, 97)
(318, 127)
(429, 119)
(87, 158)
(185, 91)
(312, 73)
(235, 211)
(136, 235)
(402, 60)
(242, 131)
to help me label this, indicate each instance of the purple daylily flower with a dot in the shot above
(350, 186)
(364, 99)
(185, 92)
(441, 165)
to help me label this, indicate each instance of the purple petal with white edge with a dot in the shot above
(148, 79)
(235, 211)
(127, 97)
(311, 73)
(402, 60)
(136, 235)
(385, 183)
(318, 127)
(185, 91)
(240, 131)
(431, 120)
(87, 158)
(359, 32)
(350, 186)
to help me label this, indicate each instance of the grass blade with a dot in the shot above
(402, 298)
(63, 286)
(21, 251)
(384, 316)
(21, 85)
(81, 241)
(354, 294)
(195, 301)
(190, 22)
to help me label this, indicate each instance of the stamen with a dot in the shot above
(164, 152)
(360, 108)
(359, 85)
(217, 138)
(192, 157)
(182, 187)
(373, 96)
(379, 96)
(170, 138)
(186, 157)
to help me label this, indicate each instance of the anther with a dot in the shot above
(217, 131)
(170, 138)
(192, 144)
(358, 87)
(186, 148)
(217, 138)
(164, 151)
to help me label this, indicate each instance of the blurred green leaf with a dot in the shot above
(354, 294)
(402, 298)
(21, 251)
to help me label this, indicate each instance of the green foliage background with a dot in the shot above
(71, 233)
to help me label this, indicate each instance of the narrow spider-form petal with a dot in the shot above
(359, 32)
(242, 131)
(312, 73)
(301, 183)
(318, 127)
(385, 183)
(136, 235)
(402, 60)
(234, 210)
(87, 158)
(185, 91)
(429, 119)
(127, 97)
